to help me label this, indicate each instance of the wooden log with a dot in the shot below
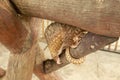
(18, 38)
(90, 43)
(42, 76)
(97, 16)
(21, 66)
(12, 32)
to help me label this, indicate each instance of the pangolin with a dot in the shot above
(61, 36)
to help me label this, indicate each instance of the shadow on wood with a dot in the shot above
(2, 72)
(12, 32)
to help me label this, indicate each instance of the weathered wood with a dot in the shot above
(90, 43)
(21, 66)
(12, 32)
(97, 16)
(2, 72)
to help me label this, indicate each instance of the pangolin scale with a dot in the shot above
(62, 36)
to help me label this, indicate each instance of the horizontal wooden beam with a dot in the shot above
(97, 16)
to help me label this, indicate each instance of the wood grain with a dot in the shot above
(12, 32)
(96, 16)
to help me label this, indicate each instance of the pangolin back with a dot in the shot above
(54, 34)
(58, 34)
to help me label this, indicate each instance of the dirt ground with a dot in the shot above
(99, 65)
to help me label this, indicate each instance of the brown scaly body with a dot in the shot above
(61, 36)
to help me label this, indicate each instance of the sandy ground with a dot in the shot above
(97, 66)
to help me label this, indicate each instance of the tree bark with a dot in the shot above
(97, 16)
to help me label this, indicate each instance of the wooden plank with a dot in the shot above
(97, 16)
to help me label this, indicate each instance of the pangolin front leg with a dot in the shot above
(54, 35)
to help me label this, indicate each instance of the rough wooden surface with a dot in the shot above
(21, 66)
(12, 32)
(90, 43)
(97, 16)
(18, 38)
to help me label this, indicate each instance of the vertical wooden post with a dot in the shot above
(20, 40)
(21, 65)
